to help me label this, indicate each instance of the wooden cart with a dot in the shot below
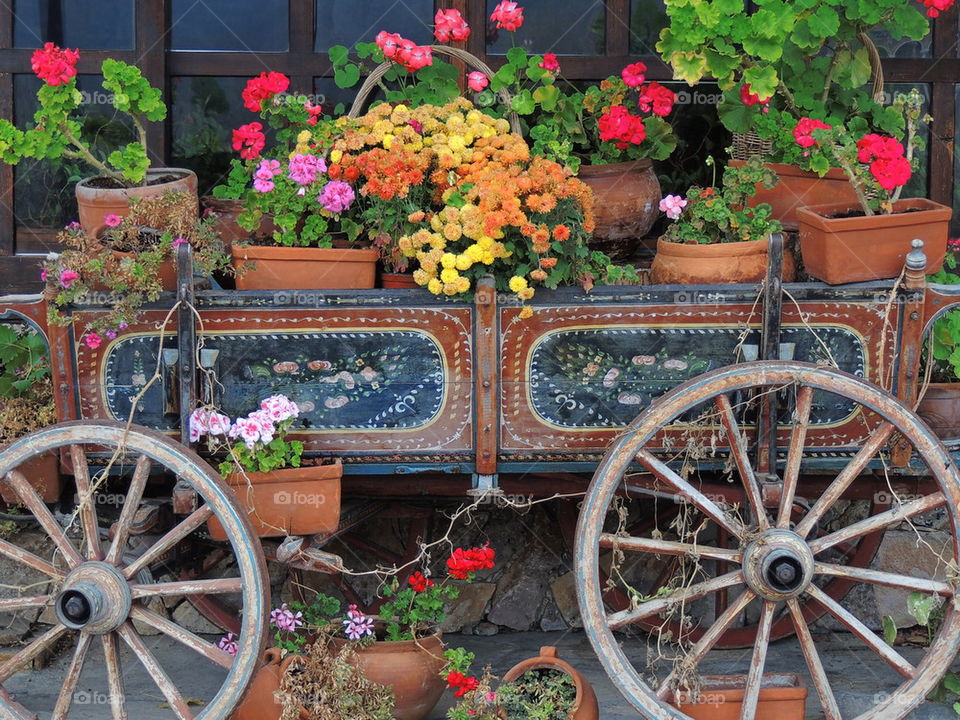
(756, 413)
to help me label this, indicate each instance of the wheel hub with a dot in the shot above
(95, 598)
(778, 565)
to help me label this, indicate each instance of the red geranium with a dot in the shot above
(508, 15)
(249, 140)
(389, 43)
(463, 562)
(873, 146)
(891, 173)
(619, 126)
(263, 88)
(935, 7)
(549, 62)
(805, 126)
(633, 75)
(750, 98)
(462, 683)
(419, 582)
(315, 111)
(53, 65)
(657, 98)
(450, 25)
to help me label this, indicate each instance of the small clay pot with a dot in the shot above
(940, 409)
(715, 263)
(304, 268)
(626, 204)
(259, 702)
(585, 705)
(226, 225)
(782, 697)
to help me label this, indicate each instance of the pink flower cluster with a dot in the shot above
(888, 162)
(303, 169)
(357, 625)
(279, 408)
(264, 175)
(803, 132)
(450, 25)
(249, 140)
(53, 65)
(673, 206)
(508, 15)
(477, 81)
(228, 643)
(207, 422)
(404, 52)
(633, 74)
(336, 196)
(550, 64)
(656, 98)
(283, 618)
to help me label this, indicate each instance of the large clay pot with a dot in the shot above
(782, 697)
(304, 268)
(226, 225)
(585, 705)
(43, 473)
(259, 703)
(715, 264)
(95, 203)
(410, 667)
(940, 409)
(841, 245)
(798, 188)
(626, 204)
(295, 501)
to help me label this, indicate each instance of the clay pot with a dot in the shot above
(859, 248)
(626, 204)
(782, 697)
(395, 281)
(259, 702)
(410, 667)
(94, 203)
(940, 409)
(295, 501)
(715, 264)
(798, 188)
(585, 705)
(304, 268)
(226, 225)
(43, 473)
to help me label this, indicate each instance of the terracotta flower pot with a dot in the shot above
(626, 204)
(839, 249)
(259, 703)
(226, 225)
(715, 264)
(798, 188)
(295, 501)
(585, 706)
(410, 667)
(95, 203)
(299, 268)
(43, 473)
(395, 281)
(940, 409)
(782, 697)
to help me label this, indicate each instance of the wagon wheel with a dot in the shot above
(92, 586)
(770, 564)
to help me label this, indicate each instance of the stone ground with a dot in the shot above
(859, 676)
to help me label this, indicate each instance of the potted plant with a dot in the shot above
(717, 237)
(720, 697)
(939, 404)
(869, 240)
(264, 468)
(792, 60)
(125, 173)
(131, 261)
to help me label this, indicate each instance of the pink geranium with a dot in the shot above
(477, 81)
(508, 15)
(264, 174)
(450, 25)
(633, 74)
(67, 277)
(673, 205)
(303, 169)
(336, 196)
(279, 408)
(112, 220)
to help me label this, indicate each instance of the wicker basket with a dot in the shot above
(373, 80)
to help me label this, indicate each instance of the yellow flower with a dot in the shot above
(421, 277)
(435, 286)
(449, 275)
(474, 252)
(526, 293)
(464, 261)
(526, 312)
(336, 156)
(463, 284)
(450, 289)
(517, 283)
(448, 260)
(452, 232)
(485, 242)
(387, 141)
(457, 143)
(487, 258)
(304, 137)
(436, 223)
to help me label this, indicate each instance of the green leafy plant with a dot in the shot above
(26, 390)
(928, 611)
(57, 132)
(716, 215)
(541, 694)
(945, 336)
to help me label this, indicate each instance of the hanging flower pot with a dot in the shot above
(715, 263)
(584, 703)
(626, 199)
(842, 245)
(782, 697)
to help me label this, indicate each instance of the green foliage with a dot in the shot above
(542, 694)
(236, 185)
(24, 361)
(945, 336)
(279, 453)
(409, 613)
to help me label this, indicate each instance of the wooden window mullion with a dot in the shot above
(151, 52)
(302, 26)
(943, 110)
(618, 27)
(7, 229)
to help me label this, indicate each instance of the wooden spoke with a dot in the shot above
(850, 473)
(688, 491)
(157, 550)
(658, 605)
(111, 656)
(668, 547)
(133, 496)
(154, 669)
(65, 699)
(11, 666)
(791, 473)
(171, 629)
(741, 455)
(19, 712)
(876, 577)
(88, 512)
(22, 603)
(25, 557)
(723, 596)
(878, 522)
(693, 657)
(828, 702)
(219, 586)
(888, 654)
(43, 516)
(751, 693)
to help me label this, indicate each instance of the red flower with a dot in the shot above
(419, 582)
(463, 562)
(462, 683)
(413, 57)
(935, 7)
(658, 98)
(315, 111)
(873, 146)
(389, 43)
(619, 126)
(549, 62)
(633, 75)
(508, 15)
(750, 98)
(249, 140)
(805, 126)
(263, 88)
(53, 65)
(450, 25)
(891, 173)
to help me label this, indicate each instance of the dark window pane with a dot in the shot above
(249, 25)
(955, 225)
(564, 27)
(904, 48)
(647, 19)
(330, 96)
(90, 25)
(44, 195)
(346, 22)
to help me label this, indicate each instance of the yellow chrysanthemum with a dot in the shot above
(463, 284)
(449, 275)
(464, 262)
(449, 260)
(304, 137)
(526, 312)
(526, 293)
(336, 156)
(421, 276)
(517, 283)
(435, 286)
(387, 141)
